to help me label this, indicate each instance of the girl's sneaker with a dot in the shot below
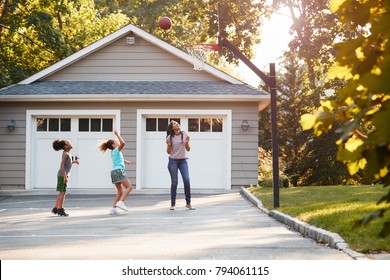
(61, 212)
(113, 211)
(121, 205)
(54, 211)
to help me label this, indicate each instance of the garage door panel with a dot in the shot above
(155, 162)
(94, 168)
(47, 164)
(207, 159)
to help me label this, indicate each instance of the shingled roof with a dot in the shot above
(131, 90)
(36, 88)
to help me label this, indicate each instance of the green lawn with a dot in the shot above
(334, 208)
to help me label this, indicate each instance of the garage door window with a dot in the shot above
(205, 125)
(53, 124)
(159, 124)
(95, 125)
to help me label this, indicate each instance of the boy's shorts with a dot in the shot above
(118, 175)
(61, 185)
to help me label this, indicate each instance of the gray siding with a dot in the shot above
(12, 147)
(244, 146)
(13, 144)
(141, 61)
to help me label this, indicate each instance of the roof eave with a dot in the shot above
(133, 98)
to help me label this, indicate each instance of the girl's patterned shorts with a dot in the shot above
(118, 175)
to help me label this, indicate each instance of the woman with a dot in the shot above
(178, 143)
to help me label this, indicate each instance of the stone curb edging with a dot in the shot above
(318, 234)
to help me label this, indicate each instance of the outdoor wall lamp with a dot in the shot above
(11, 126)
(244, 125)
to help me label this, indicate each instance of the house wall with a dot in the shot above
(140, 61)
(13, 144)
(12, 147)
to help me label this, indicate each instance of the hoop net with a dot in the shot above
(199, 53)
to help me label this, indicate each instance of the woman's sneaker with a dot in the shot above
(54, 211)
(61, 212)
(121, 205)
(190, 207)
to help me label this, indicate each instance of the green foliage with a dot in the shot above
(335, 208)
(267, 182)
(314, 30)
(309, 160)
(264, 163)
(196, 21)
(35, 34)
(284, 181)
(363, 104)
(265, 170)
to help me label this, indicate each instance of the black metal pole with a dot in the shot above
(275, 152)
(271, 83)
(240, 55)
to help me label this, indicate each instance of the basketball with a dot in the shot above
(165, 23)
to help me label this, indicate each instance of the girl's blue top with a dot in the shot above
(117, 159)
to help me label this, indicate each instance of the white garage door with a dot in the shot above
(84, 132)
(208, 160)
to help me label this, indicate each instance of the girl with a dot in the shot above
(118, 175)
(178, 143)
(63, 174)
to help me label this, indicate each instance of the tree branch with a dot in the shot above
(28, 38)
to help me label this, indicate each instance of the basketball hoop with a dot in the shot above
(200, 52)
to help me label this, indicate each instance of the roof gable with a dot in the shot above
(72, 67)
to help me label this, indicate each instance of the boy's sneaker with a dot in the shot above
(61, 212)
(54, 211)
(121, 205)
(113, 211)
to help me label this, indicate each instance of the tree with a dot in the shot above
(314, 30)
(34, 34)
(308, 160)
(196, 21)
(292, 102)
(363, 105)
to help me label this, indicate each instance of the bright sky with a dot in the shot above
(275, 38)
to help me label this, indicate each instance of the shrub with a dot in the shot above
(265, 182)
(284, 182)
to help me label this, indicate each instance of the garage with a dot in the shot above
(137, 88)
(84, 129)
(209, 158)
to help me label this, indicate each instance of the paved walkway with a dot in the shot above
(223, 226)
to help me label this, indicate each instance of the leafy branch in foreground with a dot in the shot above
(363, 105)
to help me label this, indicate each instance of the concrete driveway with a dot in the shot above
(225, 225)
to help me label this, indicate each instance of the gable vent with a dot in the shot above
(130, 40)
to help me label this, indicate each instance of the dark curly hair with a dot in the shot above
(59, 144)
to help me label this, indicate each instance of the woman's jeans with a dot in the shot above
(173, 166)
